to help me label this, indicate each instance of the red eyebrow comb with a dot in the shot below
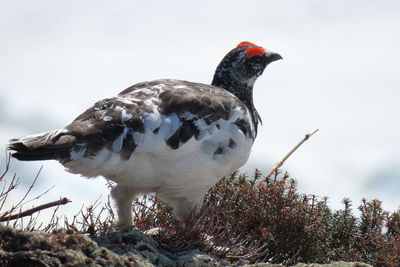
(244, 43)
(254, 51)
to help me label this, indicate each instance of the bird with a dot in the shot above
(174, 138)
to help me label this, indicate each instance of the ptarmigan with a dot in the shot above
(171, 137)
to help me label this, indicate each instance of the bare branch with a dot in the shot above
(39, 196)
(29, 212)
(30, 188)
(280, 163)
(7, 167)
(4, 192)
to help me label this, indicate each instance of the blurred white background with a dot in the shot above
(340, 74)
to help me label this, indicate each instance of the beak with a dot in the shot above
(271, 56)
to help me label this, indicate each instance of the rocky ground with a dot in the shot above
(67, 248)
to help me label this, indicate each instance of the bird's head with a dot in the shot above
(243, 65)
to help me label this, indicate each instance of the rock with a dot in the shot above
(68, 248)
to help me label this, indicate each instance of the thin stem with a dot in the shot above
(29, 212)
(280, 163)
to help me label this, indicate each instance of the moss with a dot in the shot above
(199, 260)
(67, 248)
(62, 247)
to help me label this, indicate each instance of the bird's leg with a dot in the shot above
(123, 196)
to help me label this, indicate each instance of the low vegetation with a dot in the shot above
(267, 220)
(243, 219)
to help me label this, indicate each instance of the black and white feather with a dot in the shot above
(172, 137)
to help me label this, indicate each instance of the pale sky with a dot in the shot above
(339, 74)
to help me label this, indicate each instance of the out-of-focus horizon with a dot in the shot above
(339, 74)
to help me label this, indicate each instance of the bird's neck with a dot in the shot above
(242, 89)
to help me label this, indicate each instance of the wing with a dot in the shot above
(151, 116)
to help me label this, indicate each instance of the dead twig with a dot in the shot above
(8, 159)
(31, 211)
(30, 188)
(39, 196)
(280, 163)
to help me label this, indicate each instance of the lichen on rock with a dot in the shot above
(68, 248)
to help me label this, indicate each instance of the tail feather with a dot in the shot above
(44, 146)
